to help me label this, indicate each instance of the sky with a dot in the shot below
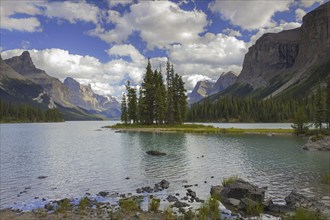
(107, 42)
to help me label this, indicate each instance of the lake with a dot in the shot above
(80, 157)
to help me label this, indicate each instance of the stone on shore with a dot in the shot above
(320, 143)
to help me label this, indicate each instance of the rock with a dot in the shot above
(241, 189)
(28, 187)
(179, 204)
(185, 198)
(245, 203)
(187, 186)
(139, 190)
(164, 184)
(234, 202)
(155, 153)
(191, 193)
(42, 177)
(212, 177)
(127, 178)
(320, 143)
(196, 184)
(216, 191)
(52, 206)
(147, 189)
(171, 198)
(177, 194)
(103, 193)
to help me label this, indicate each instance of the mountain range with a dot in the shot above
(21, 81)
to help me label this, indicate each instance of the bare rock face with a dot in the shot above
(281, 60)
(202, 89)
(54, 87)
(225, 80)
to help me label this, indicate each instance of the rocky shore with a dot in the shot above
(235, 199)
(319, 143)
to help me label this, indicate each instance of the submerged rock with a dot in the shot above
(171, 198)
(179, 204)
(103, 193)
(42, 177)
(155, 153)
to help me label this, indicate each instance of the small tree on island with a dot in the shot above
(320, 108)
(300, 122)
(124, 116)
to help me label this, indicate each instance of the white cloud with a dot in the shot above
(308, 3)
(122, 50)
(30, 23)
(249, 15)
(160, 24)
(72, 11)
(113, 3)
(299, 14)
(191, 80)
(232, 32)
(281, 27)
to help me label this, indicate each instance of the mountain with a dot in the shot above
(224, 81)
(201, 90)
(206, 88)
(21, 81)
(84, 97)
(15, 87)
(290, 63)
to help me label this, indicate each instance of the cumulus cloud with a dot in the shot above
(191, 80)
(160, 24)
(280, 27)
(113, 3)
(308, 3)
(299, 14)
(122, 50)
(72, 11)
(249, 15)
(232, 32)
(30, 23)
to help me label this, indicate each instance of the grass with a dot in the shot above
(154, 205)
(129, 205)
(254, 209)
(168, 214)
(209, 210)
(64, 205)
(229, 180)
(304, 214)
(325, 179)
(84, 203)
(196, 128)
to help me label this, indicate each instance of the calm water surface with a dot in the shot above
(79, 157)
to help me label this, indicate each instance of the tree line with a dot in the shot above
(157, 102)
(314, 108)
(15, 112)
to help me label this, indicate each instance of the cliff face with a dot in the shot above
(83, 96)
(224, 81)
(53, 87)
(201, 90)
(278, 61)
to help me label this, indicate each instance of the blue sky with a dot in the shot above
(106, 42)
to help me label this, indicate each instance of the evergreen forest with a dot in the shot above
(15, 112)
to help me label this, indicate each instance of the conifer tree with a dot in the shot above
(328, 103)
(124, 116)
(148, 90)
(320, 108)
(159, 98)
(131, 103)
(300, 122)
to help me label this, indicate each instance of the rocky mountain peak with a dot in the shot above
(72, 84)
(225, 80)
(23, 64)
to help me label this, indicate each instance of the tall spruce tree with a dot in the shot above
(131, 103)
(169, 94)
(159, 98)
(300, 122)
(148, 90)
(328, 103)
(320, 107)
(124, 114)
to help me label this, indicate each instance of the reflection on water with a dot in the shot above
(77, 158)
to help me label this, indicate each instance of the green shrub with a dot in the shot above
(303, 214)
(154, 205)
(168, 214)
(255, 208)
(229, 180)
(190, 215)
(64, 205)
(84, 202)
(325, 179)
(129, 205)
(209, 210)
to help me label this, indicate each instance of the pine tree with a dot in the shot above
(148, 89)
(159, 98)
(131, 103)
(170, 93)
(300, 122)
(320, 108)
(328, 103)
(124, 114)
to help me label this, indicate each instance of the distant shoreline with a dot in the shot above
(197, 128)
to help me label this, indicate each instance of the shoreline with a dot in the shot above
(196, 128)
